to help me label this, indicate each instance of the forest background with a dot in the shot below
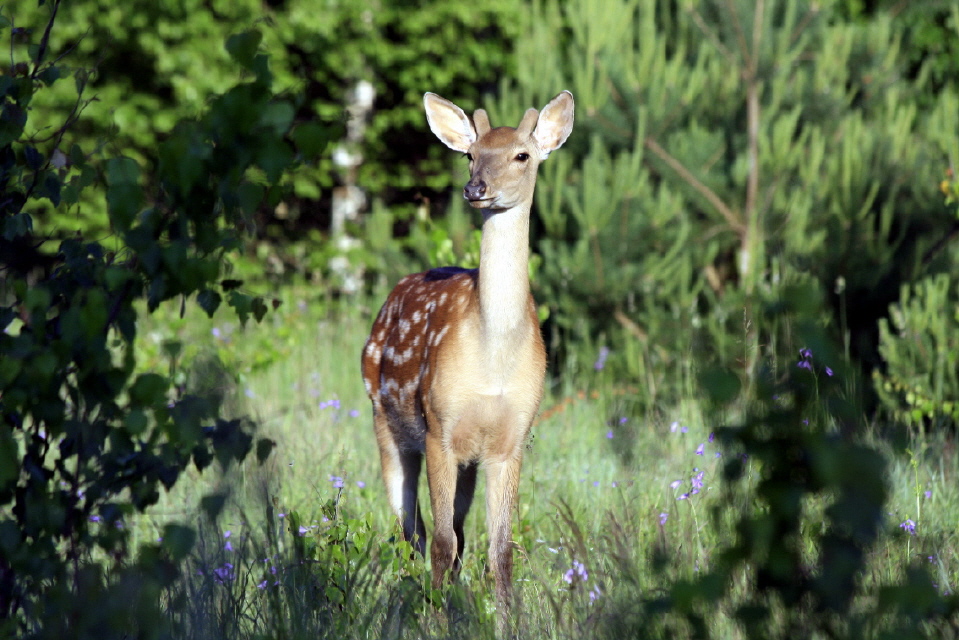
(754, 225)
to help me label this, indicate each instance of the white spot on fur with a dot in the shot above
(408, 389)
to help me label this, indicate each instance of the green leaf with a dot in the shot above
(249, 195)
(122, 170)
(278, 116)
(229, 284)
(12, 120)
(311, 139)
(264, 447)
(32, 157)
(9, 369)
(275, 157)
(135, 422)
(9, 465)
(178, 540)
(17, 225)
(721, 385)
(241, 303)
(49, 75)
(149, 389)
(259, 308)
(213, 504)
(124, 195)
(209, 301)
(242, 47)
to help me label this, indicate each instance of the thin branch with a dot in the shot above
(941, 244)
(753, 117)
(724, 210)
(45, 40)
(740, 34)
(803, 25)
(709, 33)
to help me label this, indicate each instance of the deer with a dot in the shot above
(455, 361)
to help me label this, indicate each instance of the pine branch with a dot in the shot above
(724, 210)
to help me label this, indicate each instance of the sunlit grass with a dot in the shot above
(604, 490)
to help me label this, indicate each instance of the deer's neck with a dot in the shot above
(504, 273)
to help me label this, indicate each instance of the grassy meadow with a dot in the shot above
(613, 506)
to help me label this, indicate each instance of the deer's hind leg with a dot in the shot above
(401, 473)
(465, 488)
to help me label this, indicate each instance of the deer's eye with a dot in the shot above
(469, 156)
(522, 157)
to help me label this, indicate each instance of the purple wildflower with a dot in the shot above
(354, 413)
(262, 585)
(228, 546)
(337, 481)
(699, 449)
(909, 526)
(601, 359)
(360, 484)
(224, 573)
(663, 517)
(594, 593)
(828, 372)
(697, 481)
(578, 570)
(609, 434)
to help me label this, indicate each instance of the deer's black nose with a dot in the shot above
(474, 190)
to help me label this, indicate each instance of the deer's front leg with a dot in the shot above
(502, 488)
(441, 472)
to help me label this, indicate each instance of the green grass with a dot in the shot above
(596, 483)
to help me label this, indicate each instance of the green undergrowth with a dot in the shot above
(625, 518)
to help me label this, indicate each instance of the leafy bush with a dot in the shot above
(156, 64)
(723, 152)
(87, 441)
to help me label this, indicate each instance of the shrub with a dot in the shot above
(86, 442)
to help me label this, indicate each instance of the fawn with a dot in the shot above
(455, 361)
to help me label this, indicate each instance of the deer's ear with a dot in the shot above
(555, 123)
(449, 123)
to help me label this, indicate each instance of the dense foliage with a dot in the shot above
(153, 64)
(86, 442)
(724, 152)
(745, 179)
